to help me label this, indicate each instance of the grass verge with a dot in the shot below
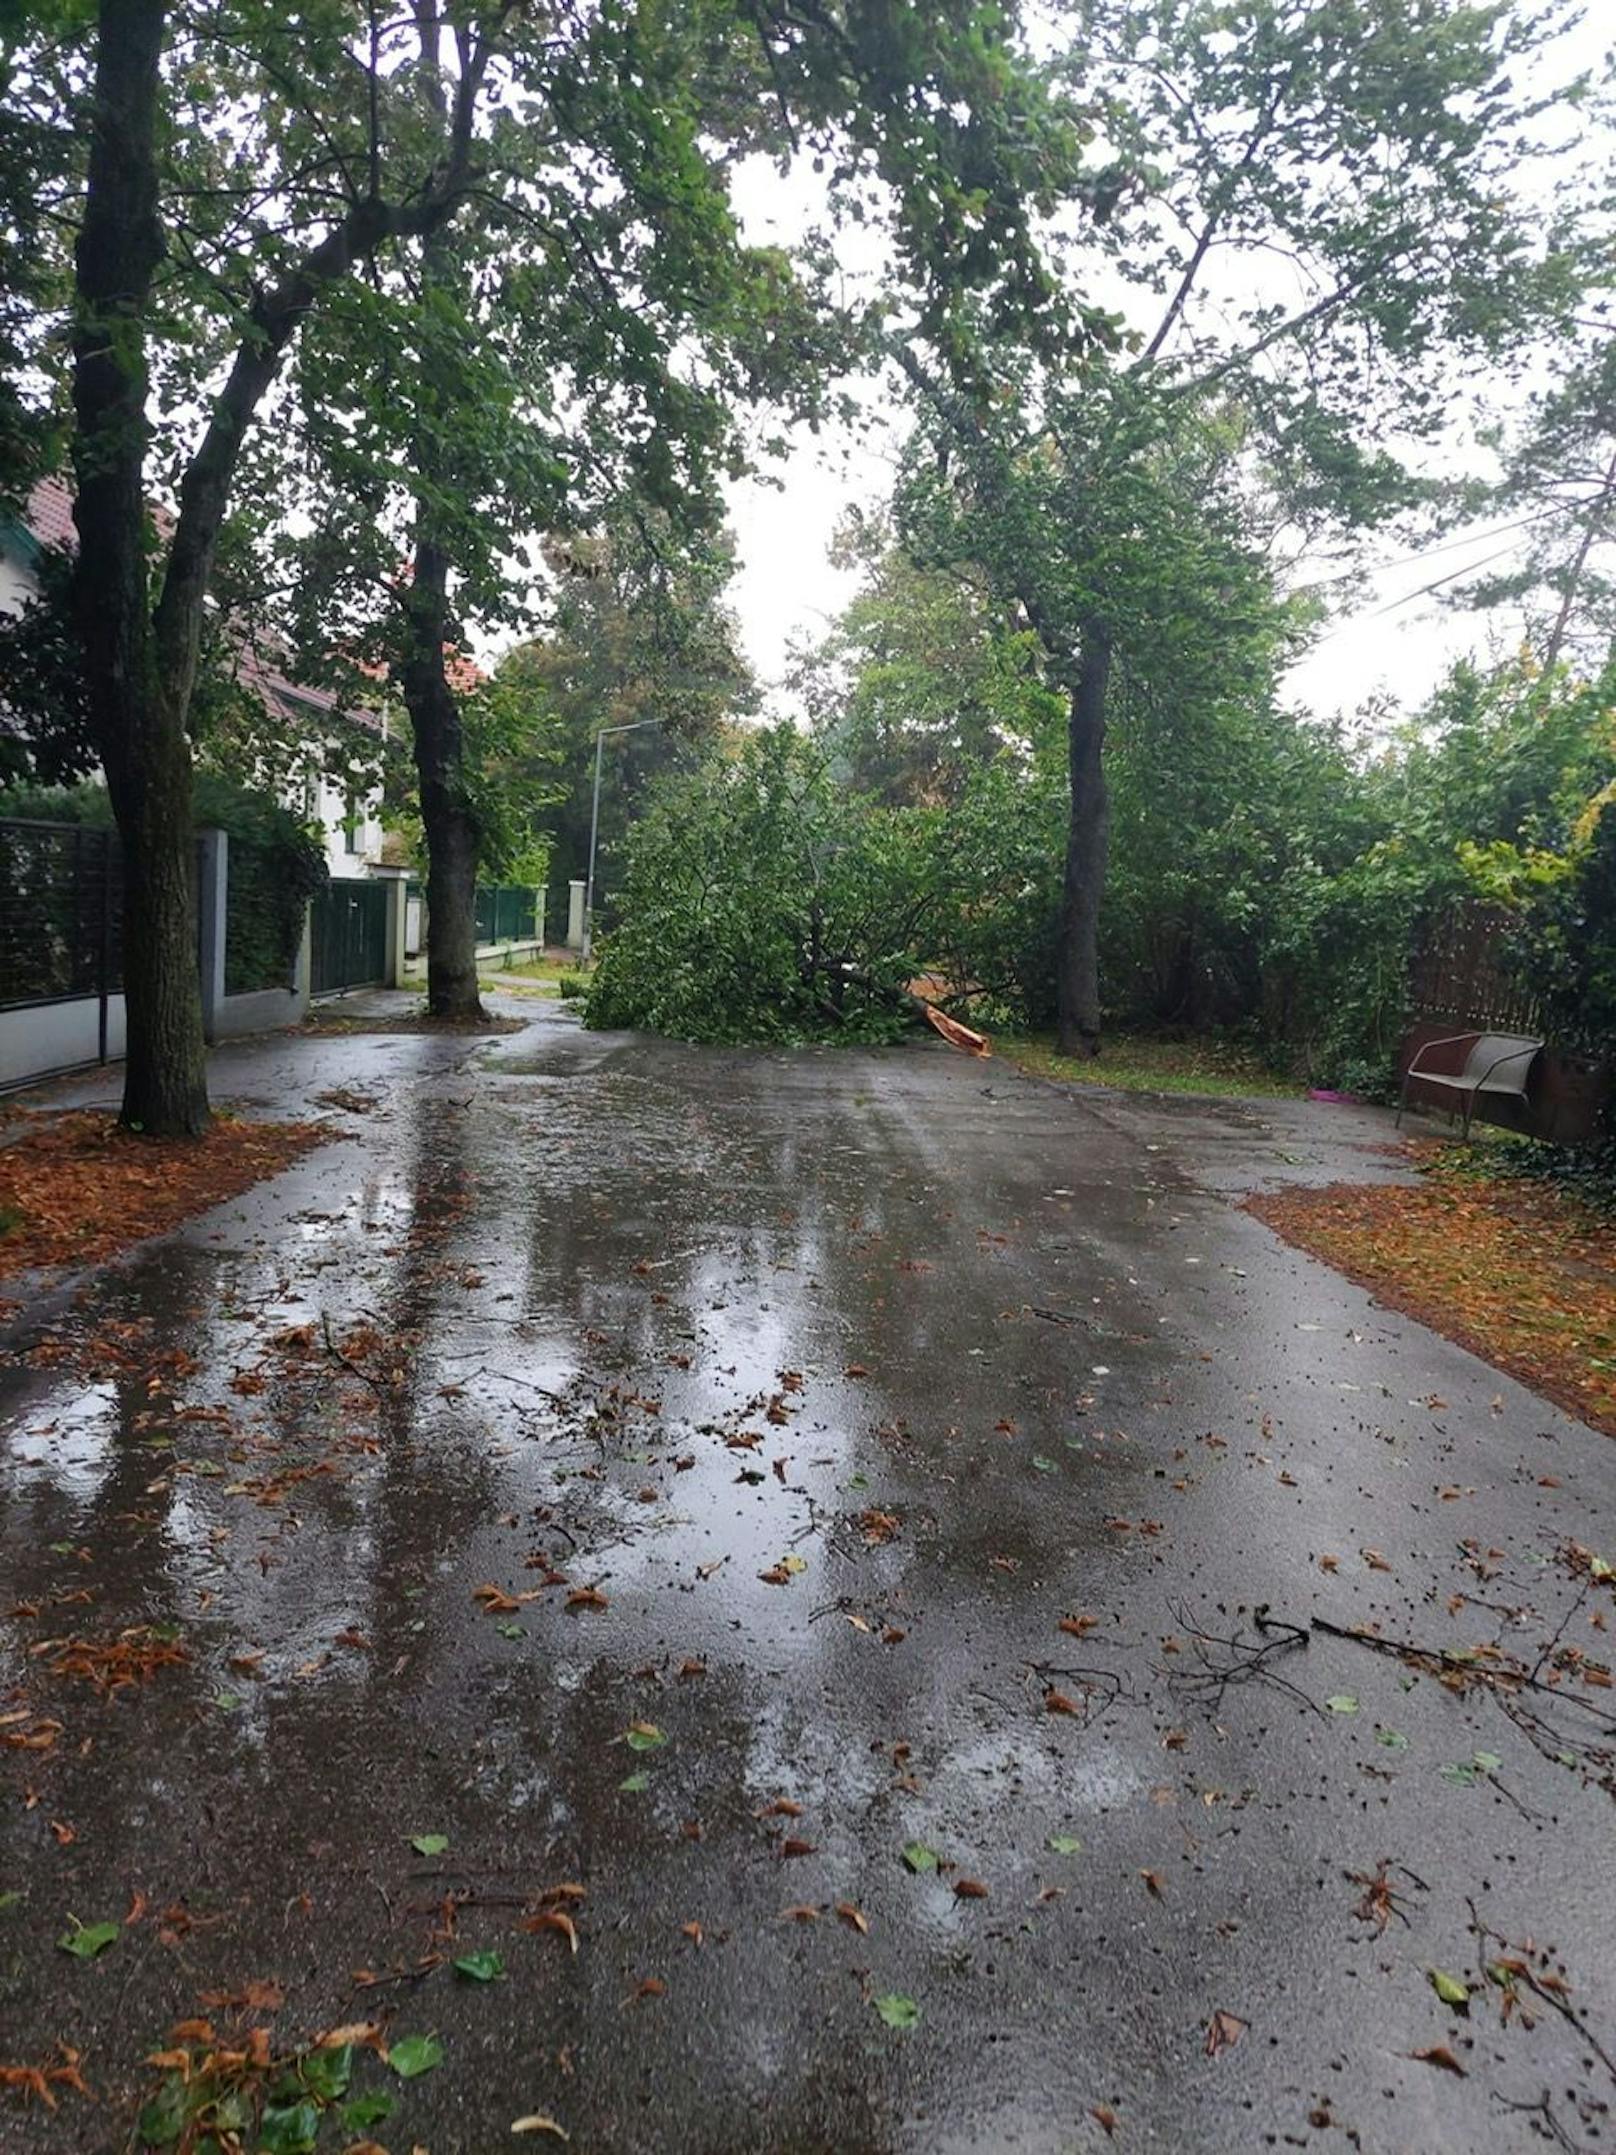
(1134, 1062)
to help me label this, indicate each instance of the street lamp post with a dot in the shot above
(594, 830)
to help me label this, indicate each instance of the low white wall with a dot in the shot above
(264, 1012)
(57, 1036)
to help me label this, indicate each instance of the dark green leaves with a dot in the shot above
(289, 2128)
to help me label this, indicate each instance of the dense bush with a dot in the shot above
(1265, 878)
(766, 902)
(762, 904)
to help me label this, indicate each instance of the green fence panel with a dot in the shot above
(348, 935)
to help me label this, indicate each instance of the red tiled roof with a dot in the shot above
(49, 515)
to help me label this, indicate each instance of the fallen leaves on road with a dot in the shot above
(1519, 1273)
(1224, 2030)
(81, 1188)
(36, 2082)
(133, 1657)
(1438, 2054)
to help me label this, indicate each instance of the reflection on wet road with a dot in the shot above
(777, 1411)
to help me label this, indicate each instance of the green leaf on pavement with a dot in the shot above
(919, 1857)
(645, 1736)
(364, 2111)
(289, 2129)
(1065, 1844)
(1044, 1466)
(1448, 1987)
(86, 1940)
(897, 2010)
(1487, 1762)
(326, 2073)
(429, 1844)
(1392, 1738)
(164, 2117)
(1342, 1703)
(414, 2055)
(636, 1784)
(480, 1967)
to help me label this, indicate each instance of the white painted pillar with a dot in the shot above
(575, 914)
(212, 889)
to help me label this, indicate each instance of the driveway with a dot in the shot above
(787, 1404)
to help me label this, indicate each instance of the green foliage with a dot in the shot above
(761, 904)
(923, 678)
(275, 865)
(1565, 941)
(765, 901)
(47, 742)
(638, 631)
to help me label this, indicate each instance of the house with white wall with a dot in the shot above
(348, 818)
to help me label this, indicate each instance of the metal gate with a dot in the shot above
(348, 935)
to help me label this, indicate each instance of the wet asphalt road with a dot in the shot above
(841, 1380)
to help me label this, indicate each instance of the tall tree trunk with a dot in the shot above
(1087, 833)
(140, 659)
(440, 751)
(138, 727)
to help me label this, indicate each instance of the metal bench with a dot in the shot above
(1494, 1066)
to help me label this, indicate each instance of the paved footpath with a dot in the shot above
(790, 1402)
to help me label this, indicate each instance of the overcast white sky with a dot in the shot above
(1390, 639)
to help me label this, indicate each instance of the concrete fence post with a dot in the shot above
(212, 893)
(538, 918)
(575, 914)
(397, 937)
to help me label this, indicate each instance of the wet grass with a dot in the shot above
(549, 975)
(1138, 1062)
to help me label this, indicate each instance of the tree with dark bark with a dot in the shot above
(1321, 213)
(163, 217)
(592, 331)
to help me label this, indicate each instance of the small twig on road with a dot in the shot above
(1516, 1965)
(1236, 1660)
(347, 1361)
(1506, 1675)
(1096, 1685)
(1542, 2110)
(1548, 1652)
